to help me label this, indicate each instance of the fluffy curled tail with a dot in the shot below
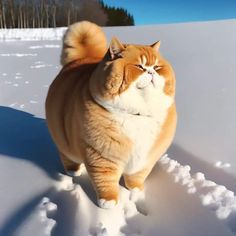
(81, 40)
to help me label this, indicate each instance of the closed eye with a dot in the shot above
(140, 67)
(157, 67)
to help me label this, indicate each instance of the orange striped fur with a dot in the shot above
(111, 108)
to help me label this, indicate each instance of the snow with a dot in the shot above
(216, 197)
(189, 192)
(32, 34)
(220, 164)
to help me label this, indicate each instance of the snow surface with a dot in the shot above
(192, 192)
(32, 34)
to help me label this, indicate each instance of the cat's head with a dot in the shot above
(132, 79)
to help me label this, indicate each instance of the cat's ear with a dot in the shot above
(115, 48)
(156, 46)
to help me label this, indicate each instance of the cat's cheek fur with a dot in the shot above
(149, 101)
(128, 102)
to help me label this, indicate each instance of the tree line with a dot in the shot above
(59, 13)
(117, 16)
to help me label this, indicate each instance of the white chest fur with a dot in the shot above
(142, 131)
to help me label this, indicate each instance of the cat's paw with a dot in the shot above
(106, 204)
(75, 173)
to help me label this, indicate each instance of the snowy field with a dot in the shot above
(189, 193)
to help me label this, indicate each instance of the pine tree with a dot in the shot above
(117, 16)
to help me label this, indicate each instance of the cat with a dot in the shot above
(111, 108)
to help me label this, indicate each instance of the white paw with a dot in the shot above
(136, 190)
(106, 204)
(78, 172)
(74, 173)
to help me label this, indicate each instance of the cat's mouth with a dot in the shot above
(134, 113)
(142, 84)
(146, 114)
(139, 114)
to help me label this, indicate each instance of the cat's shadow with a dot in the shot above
(24, 136)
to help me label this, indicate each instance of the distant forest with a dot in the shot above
(58, 13)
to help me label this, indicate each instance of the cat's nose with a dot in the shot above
(150, 72)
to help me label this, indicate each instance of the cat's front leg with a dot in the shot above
(71, 168)
(105, 175)
(136, 180)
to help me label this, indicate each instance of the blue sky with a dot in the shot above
(170, 11)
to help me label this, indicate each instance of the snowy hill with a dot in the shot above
(37, 198)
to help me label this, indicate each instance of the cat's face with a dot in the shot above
(132, 79)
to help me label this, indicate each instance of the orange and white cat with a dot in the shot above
(111, 108)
